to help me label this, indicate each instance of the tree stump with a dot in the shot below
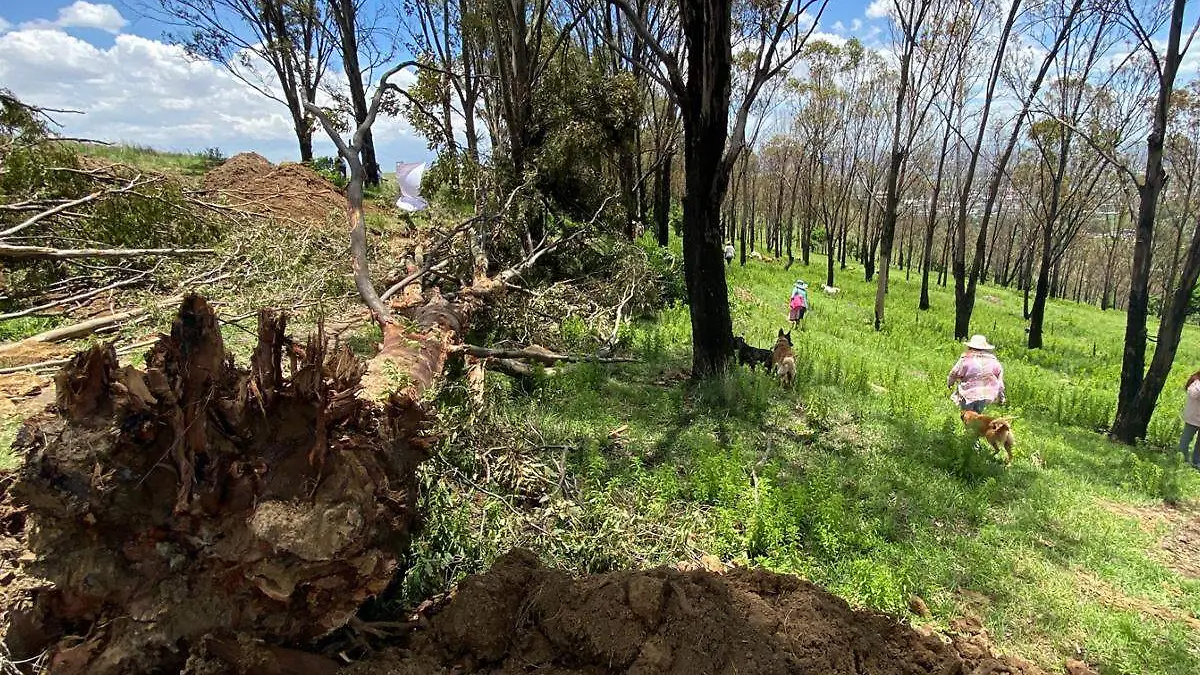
(193, 504)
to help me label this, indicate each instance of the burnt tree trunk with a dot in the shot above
(662, 201)
(1133, 416)
(706, 29)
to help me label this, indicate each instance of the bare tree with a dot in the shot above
(288, 36)
(1069, 175)
(909, 16)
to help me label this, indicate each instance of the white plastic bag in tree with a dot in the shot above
(408, 176)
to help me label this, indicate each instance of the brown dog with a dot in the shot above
(997, 431)
(784, 359)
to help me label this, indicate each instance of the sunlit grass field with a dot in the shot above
(860, 478)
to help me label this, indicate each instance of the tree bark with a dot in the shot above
(662, 201)
(1132, 416)
(706, 28)
(345, 16)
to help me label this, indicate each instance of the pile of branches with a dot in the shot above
(73, 228)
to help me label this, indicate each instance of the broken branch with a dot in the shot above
(540, 355)
(46, 253)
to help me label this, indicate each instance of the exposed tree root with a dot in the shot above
(196, 514)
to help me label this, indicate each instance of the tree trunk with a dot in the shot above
(662, 201)
(1132, 415)
(1038, 313)
(345, 16)
(304, 137)
(931, 225)
(1170, 330)
(706, 28)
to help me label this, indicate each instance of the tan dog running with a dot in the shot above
(784, 359)
(997, 431)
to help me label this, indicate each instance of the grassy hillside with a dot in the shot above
(860, 479)
(150, 159)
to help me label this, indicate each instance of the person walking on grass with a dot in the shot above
(978, 375)
(728, 254)
(798, 305)
(1191, 419)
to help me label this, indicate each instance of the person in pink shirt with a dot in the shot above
(1191, 419)
(978, 375)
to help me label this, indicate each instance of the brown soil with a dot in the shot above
(1179, 548)
(290, 192)
(521, 617)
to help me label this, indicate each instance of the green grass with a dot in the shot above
(860, 479)
(150, 159)
(8, 434)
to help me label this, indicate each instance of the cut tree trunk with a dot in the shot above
(190, 510)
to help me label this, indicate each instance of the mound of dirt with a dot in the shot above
(288, 191)
(521, 617)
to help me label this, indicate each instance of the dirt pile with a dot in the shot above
(521, 617)
(185, 510)
(288, 191)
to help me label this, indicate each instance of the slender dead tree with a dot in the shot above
(909, 17)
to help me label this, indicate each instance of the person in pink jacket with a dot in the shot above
(978, 375)
(1191, 419)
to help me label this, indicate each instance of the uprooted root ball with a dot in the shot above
(193, 501)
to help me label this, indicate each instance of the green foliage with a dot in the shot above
(667, 266)
(331, 169)
(8, 434)
(22, 327)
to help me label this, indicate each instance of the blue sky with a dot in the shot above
(109, 61)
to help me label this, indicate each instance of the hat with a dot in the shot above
(977, 341)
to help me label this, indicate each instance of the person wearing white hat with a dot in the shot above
(977, 377)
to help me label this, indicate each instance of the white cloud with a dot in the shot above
(82, 14)
(4, 24)
(879, 9)
(150, 93)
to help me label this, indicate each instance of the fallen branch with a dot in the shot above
(400, 285)
(74, 298)
(88, 327)
(137, 181)
(543, 356)
(58, 363)
(46, 253)
(514, 368)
